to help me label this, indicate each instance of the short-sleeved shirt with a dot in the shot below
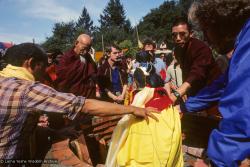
(21, 98)
(174, 75)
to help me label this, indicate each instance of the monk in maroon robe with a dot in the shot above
(76, 73)
(76, 70)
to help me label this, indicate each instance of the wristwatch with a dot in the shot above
(177, 94)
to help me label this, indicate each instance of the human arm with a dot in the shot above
(198, 68)
(230, 143)
(40, 97)
(102, 108)
(181, 90)
(207, 96)
(111, 95)
(124, 90)
(200, 61)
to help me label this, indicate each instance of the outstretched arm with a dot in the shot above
(207, 96)
(101, 108)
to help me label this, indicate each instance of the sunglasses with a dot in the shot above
(181, 34)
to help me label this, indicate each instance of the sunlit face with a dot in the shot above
(149, 47)
(82, 47)
(181, 34)
(114, 54)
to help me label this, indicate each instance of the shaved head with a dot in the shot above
(84, 38)
(82, 44)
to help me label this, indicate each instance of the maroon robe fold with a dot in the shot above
(74, 76)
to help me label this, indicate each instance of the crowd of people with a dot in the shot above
(184, 108)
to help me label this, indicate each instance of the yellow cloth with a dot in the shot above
(17, 72)
(136, 143)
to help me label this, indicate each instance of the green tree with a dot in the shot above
(184, 5)
(114, 35)
(114, 15)
(114, 26)
(84, 23)
(62, 38)
(130, 49)
(157, 23)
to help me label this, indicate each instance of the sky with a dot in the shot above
(25, 20)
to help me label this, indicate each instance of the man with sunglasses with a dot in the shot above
(198, 68)
(194, 56)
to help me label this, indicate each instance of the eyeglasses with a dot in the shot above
(181, 34)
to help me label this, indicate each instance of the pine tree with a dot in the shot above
(114, 16)
(62, 38)
(157, 23)
(84, 23)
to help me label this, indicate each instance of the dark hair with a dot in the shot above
(108, 49)
(18, 54)
(149, 42)
(180, 20)
(153, 80)
(139, 78)
(224, 18)
(143, 57)
(54, 55)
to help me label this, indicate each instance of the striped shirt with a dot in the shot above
(18, 100)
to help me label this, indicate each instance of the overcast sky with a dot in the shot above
(24, 20)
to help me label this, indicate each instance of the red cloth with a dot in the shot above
(159, 101)
(163, 74)
(74, 76)
(51, 71)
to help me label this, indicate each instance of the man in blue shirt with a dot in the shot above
(226, 25)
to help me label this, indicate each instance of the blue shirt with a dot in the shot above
(231, 142)
(116, 82)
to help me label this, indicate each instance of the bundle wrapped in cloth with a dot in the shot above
(138, 143)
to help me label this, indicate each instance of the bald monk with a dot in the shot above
(76, 70)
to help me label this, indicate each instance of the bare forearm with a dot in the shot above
(184, 88)
(124, 90)
(167, 88)
(101, 108)
(111, 95)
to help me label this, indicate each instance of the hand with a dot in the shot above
(167, 88)
(115, 98)
(120, 98)
(184, 98)
(145, 113)
(172, 97)
(200, 163)
(43, 121)
(173, 86)
(98, 95)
